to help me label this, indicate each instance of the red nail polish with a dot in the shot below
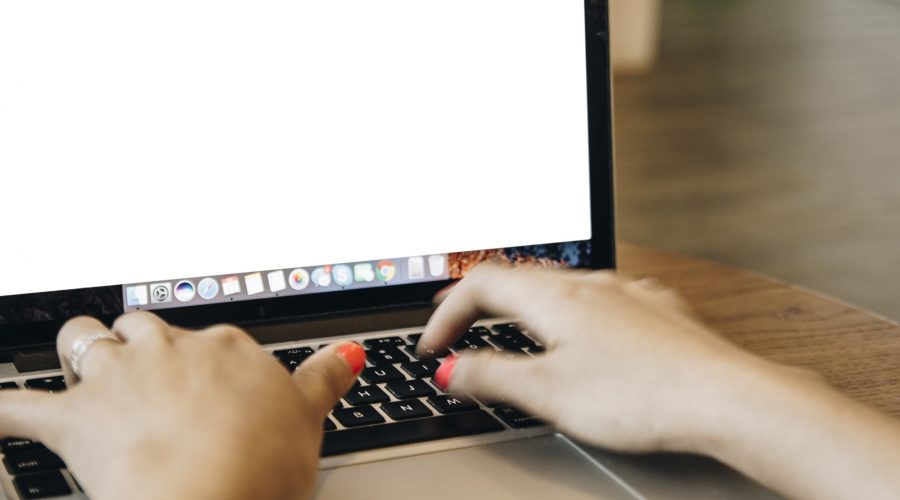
(354, 355)
(445, 371)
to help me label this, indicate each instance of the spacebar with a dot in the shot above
(410, 431)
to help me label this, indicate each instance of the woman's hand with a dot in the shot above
(171, 413)
(626, 366)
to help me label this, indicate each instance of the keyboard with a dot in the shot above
(395, 402)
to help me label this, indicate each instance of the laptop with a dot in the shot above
(315, 172)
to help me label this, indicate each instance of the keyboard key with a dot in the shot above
(294, 357)
(366, 395)
(506, 327)
(361, 415)
(42, 485)
(537, 349)
(52, 384)
(512, 340)
(12, 444)
(411, 431)
(8, 385)
(383, 342)
(414, 338)
(411, 350)
(294, 351)
(292, 363)
(32, 460)
(421, 369)
(471, 344)
(479, 331)
(385, 356)
(328, 425)
(450, 403)
(516, 418)
(494, 404)
(402, 410)
(408, 389)
(381, 374)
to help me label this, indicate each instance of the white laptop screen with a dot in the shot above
(279, 147)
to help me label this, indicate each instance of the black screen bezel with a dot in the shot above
(41, 334)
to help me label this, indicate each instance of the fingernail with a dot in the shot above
(445, 371)
(354, 355)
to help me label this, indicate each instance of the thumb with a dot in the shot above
(493, 376)
(329, 374)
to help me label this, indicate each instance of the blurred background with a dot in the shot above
(765, 135)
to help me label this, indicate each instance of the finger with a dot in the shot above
(31, 414)
(491, 376)
(495, 290)
(142, 327)
(328, 374)
(227, 333)
(97, 356)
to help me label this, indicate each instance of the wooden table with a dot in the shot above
(858, 352)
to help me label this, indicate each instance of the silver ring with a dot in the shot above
(80, 348)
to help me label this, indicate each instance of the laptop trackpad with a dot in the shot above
(542, 467)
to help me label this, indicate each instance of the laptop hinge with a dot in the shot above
(345, 324)
(38, 359)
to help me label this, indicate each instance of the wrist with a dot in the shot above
(753, 402)
(776, 423)
(740, 399)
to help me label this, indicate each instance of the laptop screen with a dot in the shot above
(178, 155)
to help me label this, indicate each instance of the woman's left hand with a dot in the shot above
(172, 413)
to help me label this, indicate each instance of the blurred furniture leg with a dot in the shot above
(634, 26)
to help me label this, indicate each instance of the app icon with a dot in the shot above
(276, 281)
(364, 273)
(185, 291)
(208, 288)
(437, 265)
(321, 276)
(254, 283)
(231, 285)
(343, 276)
(385, 271)
(299, 279)
(416, 268)
(160, 293)
(136, 295)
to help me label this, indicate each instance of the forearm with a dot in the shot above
(801, 437)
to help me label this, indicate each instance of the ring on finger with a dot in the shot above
(81, 346)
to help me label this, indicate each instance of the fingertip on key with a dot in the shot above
(354, 355)
(445, 371)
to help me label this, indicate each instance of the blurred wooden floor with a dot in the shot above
(768, 138)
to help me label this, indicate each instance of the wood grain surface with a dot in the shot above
(767, 138)
(858, 351)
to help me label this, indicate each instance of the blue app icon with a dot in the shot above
(343, 275)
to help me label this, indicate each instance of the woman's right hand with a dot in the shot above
(627, 366)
